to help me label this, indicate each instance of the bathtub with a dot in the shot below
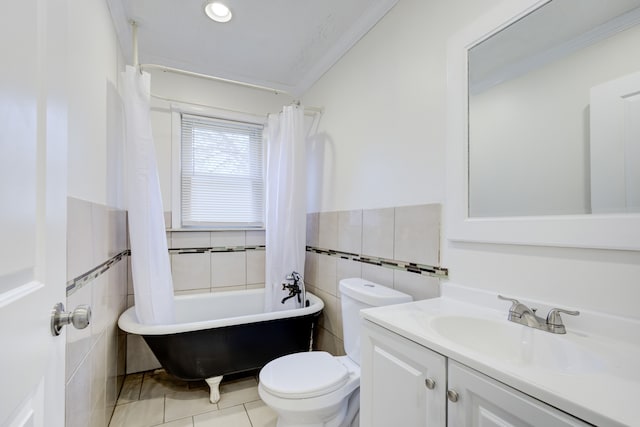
(224, 333)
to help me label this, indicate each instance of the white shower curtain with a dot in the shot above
(150, 270)
(285, 204)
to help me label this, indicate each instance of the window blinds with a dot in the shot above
(221, 173)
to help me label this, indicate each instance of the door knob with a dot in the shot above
(430, 383)
(79, 318)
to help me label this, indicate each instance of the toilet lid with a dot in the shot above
(303, 375)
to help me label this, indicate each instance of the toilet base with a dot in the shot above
(347, 415)
(336, 421)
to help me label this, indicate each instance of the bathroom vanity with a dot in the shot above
(525, 81)
(450, 362)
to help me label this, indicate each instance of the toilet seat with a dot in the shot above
(303, 375)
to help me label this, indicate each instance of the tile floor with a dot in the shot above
(156, 399)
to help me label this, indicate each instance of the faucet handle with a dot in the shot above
(514, 301)
(554, 321)
(517, 309)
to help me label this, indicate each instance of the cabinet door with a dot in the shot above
(393, 384)
(484, 402)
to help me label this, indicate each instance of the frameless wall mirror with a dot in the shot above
(544, 124)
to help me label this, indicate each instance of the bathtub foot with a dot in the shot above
(214, 385)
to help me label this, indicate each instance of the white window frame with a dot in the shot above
(177, 110)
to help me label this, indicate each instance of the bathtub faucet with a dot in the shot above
(295, 289)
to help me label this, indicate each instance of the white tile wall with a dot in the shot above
(311, 268)
(79, 241)
(190, 239)
(230, 288)
(78, 395)
(228, 238)
(417, 234)
(255, 266)
(377, 232)
(326, 274)
(408, 234)
(332, 319)
(139, 355)
(418, 286)
(347, 268)
(95, 356)
(191, 271)
(79, 341)
(255, 237)
(328, 230)
(228, 269)
(350, 231)
(377, 274)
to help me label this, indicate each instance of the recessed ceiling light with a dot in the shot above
(218, 12)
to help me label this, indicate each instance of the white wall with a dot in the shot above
(382, 134)
(94, 62)
(530, 156)
(199, 92)
(96, 220)
(384, 141)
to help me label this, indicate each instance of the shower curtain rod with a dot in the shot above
(136, 64)
(308, 111)
(208, 77)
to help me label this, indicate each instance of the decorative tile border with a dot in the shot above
(411, 267)
(426, 270)
(76, 284)
(216, 249)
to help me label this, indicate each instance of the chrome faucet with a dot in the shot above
(520, 313)
(296, 288)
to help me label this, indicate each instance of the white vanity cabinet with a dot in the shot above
(402, 383)
(483, 401)
(405, 384)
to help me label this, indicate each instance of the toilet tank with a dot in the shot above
(355, 295)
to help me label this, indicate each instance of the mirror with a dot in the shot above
(543, 122)
(554, 112)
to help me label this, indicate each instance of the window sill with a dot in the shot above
(206, 229)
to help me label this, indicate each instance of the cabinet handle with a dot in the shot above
(452, 395)
(431, 384)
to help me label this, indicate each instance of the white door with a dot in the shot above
(33, 186)
(615, 145)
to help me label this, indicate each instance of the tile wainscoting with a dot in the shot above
(96, 275)
(396, 247)
(391, 246)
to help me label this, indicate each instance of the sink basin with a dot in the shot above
(517, 344)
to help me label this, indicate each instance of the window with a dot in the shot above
(221, 173)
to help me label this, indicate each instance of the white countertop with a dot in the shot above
(600, 386)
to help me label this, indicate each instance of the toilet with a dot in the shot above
(316, 389)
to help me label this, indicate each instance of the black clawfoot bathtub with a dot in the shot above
(224, 333)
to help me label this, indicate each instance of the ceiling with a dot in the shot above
(282, 44)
